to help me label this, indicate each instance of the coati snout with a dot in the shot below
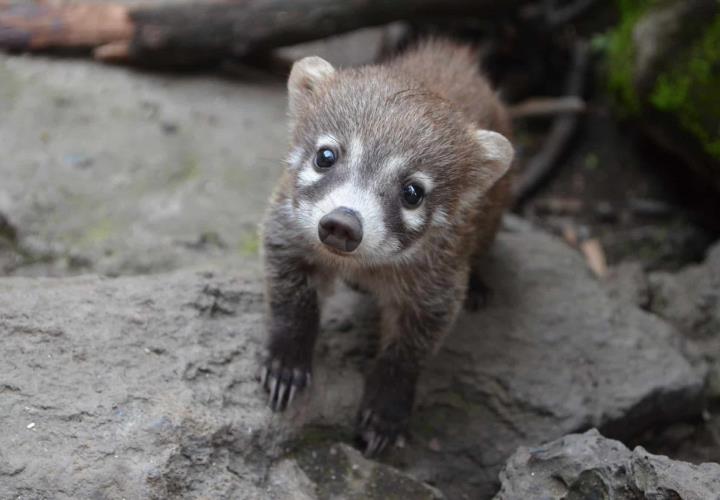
(396, 182)
(341, 229)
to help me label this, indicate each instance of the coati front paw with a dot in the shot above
(283, 380)
(377, 429)
(385, 409)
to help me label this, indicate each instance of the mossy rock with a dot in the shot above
(664, 70)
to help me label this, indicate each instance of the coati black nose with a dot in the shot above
(341, 229)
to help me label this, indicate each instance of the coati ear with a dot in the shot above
(305, 76)
(497, 154)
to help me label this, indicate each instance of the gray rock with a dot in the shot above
(582, 466)
(121, 172)
(690, 299)
(628, 284)
(145, 387)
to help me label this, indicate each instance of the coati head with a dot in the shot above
(378, 161)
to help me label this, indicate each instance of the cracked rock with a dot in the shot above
(146, 386)
(582, 466)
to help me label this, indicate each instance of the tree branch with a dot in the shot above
(196, 33)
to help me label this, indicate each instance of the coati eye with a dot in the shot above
(412, 195)
(325, 158)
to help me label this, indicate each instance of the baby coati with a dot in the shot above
(395, 182)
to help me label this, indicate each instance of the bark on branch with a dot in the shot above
(202, 32)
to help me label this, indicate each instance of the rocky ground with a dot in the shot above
(137, 379)
(583, 466)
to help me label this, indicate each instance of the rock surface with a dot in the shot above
(690, 299)
(117, 171)
(144, 387)
(582, 466)
(121, 172)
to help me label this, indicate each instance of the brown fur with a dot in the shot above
(449, 70)
(424, 107)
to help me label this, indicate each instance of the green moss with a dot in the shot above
(249, 245)
(314, 436)
(686, 89)
(189, 170)
(591, 161)
(99, 232)
(621, 54)
(328, 468)
(690, 90)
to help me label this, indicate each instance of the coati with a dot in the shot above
(396, 181)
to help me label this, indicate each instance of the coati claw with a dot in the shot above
(385, 409)
(376, 446)
(282, 383)
(293, 389)
(376, 433)
(365, 418)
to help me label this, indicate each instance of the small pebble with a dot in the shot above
(170, 128)
(78, 160)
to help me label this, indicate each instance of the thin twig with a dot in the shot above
(556, 16)
(543, 106)
(541, 166)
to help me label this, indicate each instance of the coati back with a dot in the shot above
(396, 182)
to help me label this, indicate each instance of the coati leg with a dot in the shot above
(478, 293)
(410, 330)
(293, 326)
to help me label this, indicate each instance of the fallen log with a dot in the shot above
(196, 33)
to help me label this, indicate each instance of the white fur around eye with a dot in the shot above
(414, 219)
(294, 158)
(327, 141)
(424, 180)
(308, 175)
